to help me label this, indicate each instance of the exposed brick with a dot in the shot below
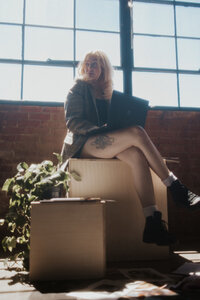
(13, 115)
(9, 123)
(50, 109)
(6, 168)
(3, 115)
(58, 132)
(36, 130)
(26, 138)
(34, 109)
(10, 130)
(33, 133)
(28, 123)
(58, 116)
(59, 124)
(8, 107)
(48, 139)
(6, 153)
(39, 116)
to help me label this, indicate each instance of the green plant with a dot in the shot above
(31, 183)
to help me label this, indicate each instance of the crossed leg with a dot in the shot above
(133, 146)
(141, 174)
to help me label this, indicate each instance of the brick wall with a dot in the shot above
(30, 134)
(33, 133)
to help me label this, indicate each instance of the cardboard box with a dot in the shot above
(112, 179)
(67, 240)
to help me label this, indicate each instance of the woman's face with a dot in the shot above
(92, 69)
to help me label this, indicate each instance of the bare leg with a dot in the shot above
(134, 147)
(141, 174)
(111, 144)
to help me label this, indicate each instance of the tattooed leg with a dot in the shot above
(102, 141)
(111, 144)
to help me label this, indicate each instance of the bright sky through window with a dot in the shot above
(166, 48)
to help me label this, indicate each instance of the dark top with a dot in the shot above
(102, 107)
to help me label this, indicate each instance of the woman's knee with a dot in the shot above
(137, 132)
(132, 154)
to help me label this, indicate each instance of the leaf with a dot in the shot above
(55, 176)
(19, 255)
(2, 221)
(47, 165)
(20, 178)
(60, 176)
(12, 243)
(76, 176)
(28, 234)
(12, 226)
(21, 167)
(16, 188)
(7, 184)
(58, 156)
(21, 240)
(32, 168)
(4, 244)
(24, 166)
(9, 242)
(12, 214)
(30, 183)
(44, 182)
(31, 197)
(27, 175)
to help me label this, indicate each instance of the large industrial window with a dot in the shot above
(166, 51)
(43, 40)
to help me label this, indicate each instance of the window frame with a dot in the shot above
(177, 71)
(126, 50)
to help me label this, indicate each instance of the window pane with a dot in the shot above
(190, 90)
(154, 52)
(50, 12)
(107, 42)
(11, 11)
(153, 18)
(159, 88)
(118, 80)
(10, 41)
(98, 14)
(192, 1)
(189, 54)
(10, 81)
(47, 83)
(41, 44)
(188, 21)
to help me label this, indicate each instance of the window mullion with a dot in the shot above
(126, 44)
(176, 50)
(23, 41)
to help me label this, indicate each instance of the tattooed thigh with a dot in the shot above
(102, 141)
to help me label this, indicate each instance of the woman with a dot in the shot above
(86, 114)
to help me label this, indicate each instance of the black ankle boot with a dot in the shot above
(156, 231)
(182, 196)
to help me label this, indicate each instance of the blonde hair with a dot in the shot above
(105, 81)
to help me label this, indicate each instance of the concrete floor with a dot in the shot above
(15, 285)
